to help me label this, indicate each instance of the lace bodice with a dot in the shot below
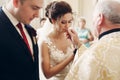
(56, 56)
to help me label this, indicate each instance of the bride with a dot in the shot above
(56, 48)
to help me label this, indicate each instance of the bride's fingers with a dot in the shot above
(71, 32)
(68, 35)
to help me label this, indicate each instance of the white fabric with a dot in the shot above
(43, 32)
(100, 62)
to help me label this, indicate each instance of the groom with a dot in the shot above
(18, 47)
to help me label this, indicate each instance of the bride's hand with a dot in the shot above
(74, 37)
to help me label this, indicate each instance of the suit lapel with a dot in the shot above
(32, 34)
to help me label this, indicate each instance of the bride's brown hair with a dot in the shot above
(57, 9)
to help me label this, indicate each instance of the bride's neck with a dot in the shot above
(57, 35)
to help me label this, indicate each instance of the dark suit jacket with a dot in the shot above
(16, 63)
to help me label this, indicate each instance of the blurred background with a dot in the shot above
(81, 8)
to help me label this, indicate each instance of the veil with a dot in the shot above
(42, 34)
(44, 31)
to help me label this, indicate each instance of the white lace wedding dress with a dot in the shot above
(56, 56)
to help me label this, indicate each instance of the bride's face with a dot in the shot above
(64, 23)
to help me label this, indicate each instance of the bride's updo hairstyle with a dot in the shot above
(56, 9)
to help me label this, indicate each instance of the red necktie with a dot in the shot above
(23, 35)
